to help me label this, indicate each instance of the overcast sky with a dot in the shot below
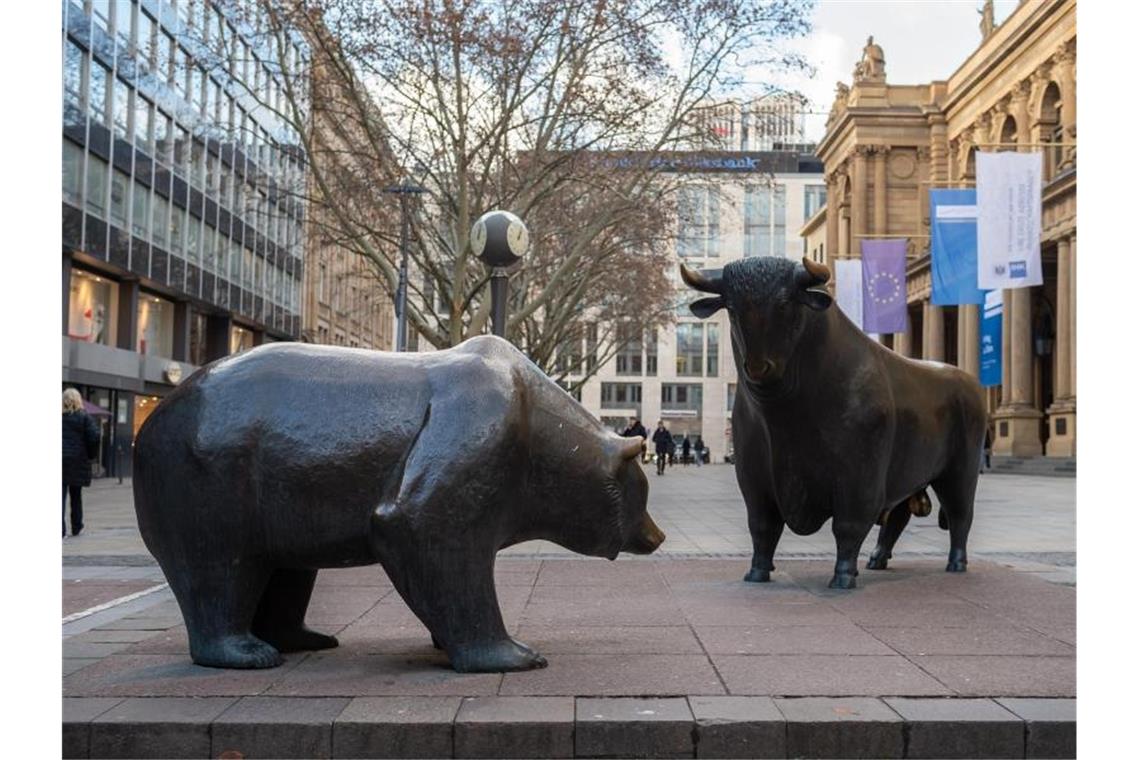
(922, 40)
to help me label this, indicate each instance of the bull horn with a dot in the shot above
(809, 273)
(624, 448)
(705, 280)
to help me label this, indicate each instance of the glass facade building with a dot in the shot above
(182, 203)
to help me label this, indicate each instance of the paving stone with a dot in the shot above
(171, 641)
(960, 728)
(850, 728)
(825, 675)
(383, 727)
(976, 676)
(74, 664)
(982, 640)
(152, 675)
(277, 727)
(78, 712)
(633, 727)
(92, 649)
(1050, 725)
(157, 727)
(98, 635)
(625, 573)
(639, 640)
(838, 639)
(515, 727)
(328, 674)
(738, 727)
(616, 675)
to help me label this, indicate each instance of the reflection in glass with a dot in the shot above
(96, 185)
(97, 93)
(241, 339)
(140, 210)
(92, 308)
(72, 172)
(72, 86)
(155, 336)
(120, 186)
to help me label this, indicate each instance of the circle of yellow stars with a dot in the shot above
(895, 287)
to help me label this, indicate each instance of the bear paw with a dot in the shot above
(757, 575)
(842, 580)
(301, 639)
(495, 657)
(242, 651)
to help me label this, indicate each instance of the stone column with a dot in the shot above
(1061, 442)
(879, 157)
(859, 197)
(934, 332)
(969, 359)
(831, 244)
(1073, 316)
(1064, 69)
(902, 340)
(1017, 420)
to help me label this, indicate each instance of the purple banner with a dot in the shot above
(884, 286)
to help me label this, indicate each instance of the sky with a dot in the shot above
(922, 40)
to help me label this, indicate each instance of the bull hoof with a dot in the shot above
(498, 657)
(756, 575)
(842, 580)
(238, 651)
(300, 640)
(957, 563)
(878, 560)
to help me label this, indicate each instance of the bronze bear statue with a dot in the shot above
(266, 466)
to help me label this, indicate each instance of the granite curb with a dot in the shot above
(599, 727)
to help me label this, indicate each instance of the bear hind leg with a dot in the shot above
(280, 616)
(888, 535)
(218, 605)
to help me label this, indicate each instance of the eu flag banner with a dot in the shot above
(990, 339)
(954, 247)
(884, 286)
(1009, 220)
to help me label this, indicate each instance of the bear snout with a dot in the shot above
(646, 538)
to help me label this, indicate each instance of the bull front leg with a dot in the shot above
(765, 524)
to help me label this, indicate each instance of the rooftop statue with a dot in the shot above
(872, 67)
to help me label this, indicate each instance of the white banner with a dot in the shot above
(849, 289)
(1009, 220)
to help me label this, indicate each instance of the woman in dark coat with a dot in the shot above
(80, 444)
(661, 439)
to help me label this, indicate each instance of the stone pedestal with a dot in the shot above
(1017, 432)
(1062, 429)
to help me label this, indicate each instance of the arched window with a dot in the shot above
(1008, 137)
(1049, 119)
(971, 164)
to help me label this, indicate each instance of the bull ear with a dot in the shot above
(706, 307)
(815, 298)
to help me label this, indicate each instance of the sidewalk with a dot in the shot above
(666, 656)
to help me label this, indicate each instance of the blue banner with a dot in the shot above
(990, 339)
(954, 247)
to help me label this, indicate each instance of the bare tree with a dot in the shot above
(520, 105)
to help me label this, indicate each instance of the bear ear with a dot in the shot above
(706, 307)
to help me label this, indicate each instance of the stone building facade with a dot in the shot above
(886, 145)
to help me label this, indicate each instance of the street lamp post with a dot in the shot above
(499, 239)
(403, 190)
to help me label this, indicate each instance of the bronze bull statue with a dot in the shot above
(266, 466)
(828, 423)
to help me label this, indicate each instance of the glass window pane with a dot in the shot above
(123, 23)
(142, 122)
(122, 110)
(159, 223)
(155, 336)
(177, 228)
(140, 210)
(72, 85)
(120, 187)
(193, 244)
(96, 195)
(689, 349)
(97, 93)
(779, 221)
(72, 172)
(101, 14)
(713, 353)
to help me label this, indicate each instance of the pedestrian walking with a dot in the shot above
(661, 441)
(987, 449)
(80, 445)
(700, 449)
(686, 449)
(672, 449)
(637, 429)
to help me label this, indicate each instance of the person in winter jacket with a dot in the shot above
(662, 441)
(637, 429)
(80, 444)
(686, 448)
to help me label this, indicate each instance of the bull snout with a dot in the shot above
(646, 538)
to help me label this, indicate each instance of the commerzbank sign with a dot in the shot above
(775, 162)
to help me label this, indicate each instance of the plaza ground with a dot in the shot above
(673, 648)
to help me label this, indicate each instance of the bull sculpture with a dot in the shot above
(828, 423)
(264, 467)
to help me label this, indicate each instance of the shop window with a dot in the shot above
(155, 335)
(144, 405)
(241, 339)
(92, 308)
